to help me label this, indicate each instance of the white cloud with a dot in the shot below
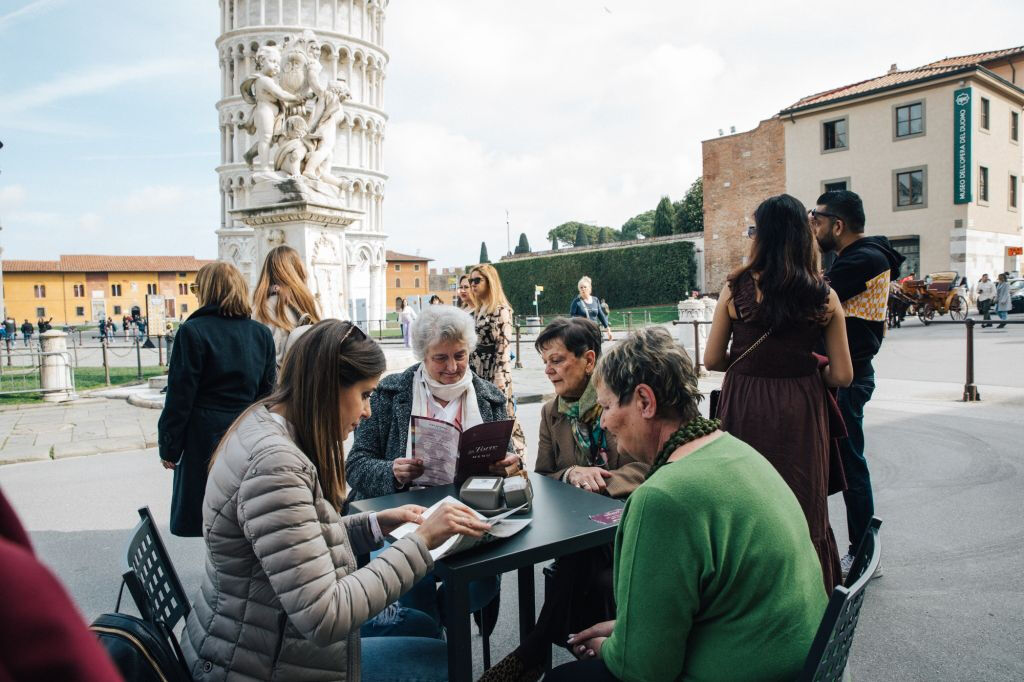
(150, 198)
(11, 196)
(24, 11)
(36, 219)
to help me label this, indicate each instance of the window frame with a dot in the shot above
(822, 138)
(152, 289)
(985, 115)
(398, 282)
(984, 185)
(78, 290)
(117, 310)
(398, 267)
(896, 137)
(832, 181)
(1015, 127)
(115, 289)
(1013, 193)
(923, 169)
(41, 311)
(79, 311)
(416, 283)
(39, 290)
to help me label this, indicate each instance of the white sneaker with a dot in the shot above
(846, 563)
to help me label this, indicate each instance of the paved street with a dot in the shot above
(948, 480)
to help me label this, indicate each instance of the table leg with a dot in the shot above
(527, 602)
(460, 645)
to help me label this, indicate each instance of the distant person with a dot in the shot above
(1004, 303)
(860, 276)
(282, 300)
(985, 296)
(27, 330)
(589, 306)
(407, 315)
(464, 297)
(45, 325)
(111, 329)
(11, 327)
(221, 363)
(775, 310)
(102, 327)
(436, 300)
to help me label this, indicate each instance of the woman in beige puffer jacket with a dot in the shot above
(282, 598)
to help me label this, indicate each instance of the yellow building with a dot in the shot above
(407, 277)
(77, 290)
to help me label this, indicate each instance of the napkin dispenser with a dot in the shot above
(492, 493)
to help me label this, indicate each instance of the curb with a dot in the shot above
(529, 398)
(140, 400)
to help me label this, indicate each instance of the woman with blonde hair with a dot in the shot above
(221, 362)
(282, 300)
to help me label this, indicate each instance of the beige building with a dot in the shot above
(934, 151)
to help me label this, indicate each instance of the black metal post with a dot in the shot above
(106, 364)
(160, 350)
(8, 340)
(138, 358)
(970, 390)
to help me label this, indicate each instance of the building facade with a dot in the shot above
(77, 290)
(351, 37)
(934, 152)
(407, 277)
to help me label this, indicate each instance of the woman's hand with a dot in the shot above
(609, 330)
(590, 478)
(168, 465)
(390, 519)
(407, 469)
(449, 520)
(587, 644)
(503, 466)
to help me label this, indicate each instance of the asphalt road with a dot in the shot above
(948, 479)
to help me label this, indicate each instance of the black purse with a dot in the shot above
(715, 396)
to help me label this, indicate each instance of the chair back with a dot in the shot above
(831, 647)
(151, 578)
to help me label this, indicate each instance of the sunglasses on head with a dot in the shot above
(814, 213)
(475, 280)
(355, 332)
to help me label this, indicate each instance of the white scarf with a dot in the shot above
(423, 387)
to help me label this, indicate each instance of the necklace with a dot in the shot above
(691, 430)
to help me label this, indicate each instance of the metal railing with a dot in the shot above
(971, 393)
(698, 357)
(27, 378)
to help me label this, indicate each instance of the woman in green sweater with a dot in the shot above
(715, 574)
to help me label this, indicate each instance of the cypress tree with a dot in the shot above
(524, 244)
(581, 237)
(602, 236)
(554, 243)
(483, 253)
(664, 218)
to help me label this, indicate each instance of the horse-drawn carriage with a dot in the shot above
(936, 294)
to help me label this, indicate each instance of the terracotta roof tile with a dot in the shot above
(31, 266)
(95, 263)
(395, 256)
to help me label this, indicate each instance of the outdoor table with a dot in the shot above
(561, 525)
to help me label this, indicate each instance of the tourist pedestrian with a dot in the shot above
(775, 311)
(45, 325)
(464, 298)
(574, 449)
(281, 554)
(112, 329)
(436, 300)
(1004, 303)
(589, 306)
(985, 297)
(11, 328)
(27, 330)
(102, 326)
(220, 364)
(282, 301)
(860, 276)
(714, 570)
(492, 359)
(407, 315)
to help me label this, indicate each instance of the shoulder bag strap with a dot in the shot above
(751, 349)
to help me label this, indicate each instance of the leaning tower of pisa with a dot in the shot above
(351, 33)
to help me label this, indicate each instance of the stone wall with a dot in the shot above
(740, 171)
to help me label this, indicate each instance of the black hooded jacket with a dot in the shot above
(860, 276)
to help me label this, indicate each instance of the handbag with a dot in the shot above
(716, 394)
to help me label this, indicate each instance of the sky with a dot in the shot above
(549, 111)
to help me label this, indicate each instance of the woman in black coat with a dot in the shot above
(221, 363)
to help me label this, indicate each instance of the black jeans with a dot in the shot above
(984, 307)
(860, 503)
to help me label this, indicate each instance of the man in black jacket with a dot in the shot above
(860, 276)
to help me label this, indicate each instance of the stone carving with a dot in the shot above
(294, 119)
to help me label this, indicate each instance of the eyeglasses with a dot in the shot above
(193, 287)
(751, 231)
(815, 213)
(475, 280)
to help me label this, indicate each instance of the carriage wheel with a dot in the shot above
(926, 313)
(958, 308)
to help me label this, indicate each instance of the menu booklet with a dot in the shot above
(501, 527)
(451, 455)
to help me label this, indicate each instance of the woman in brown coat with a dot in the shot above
(574, 449)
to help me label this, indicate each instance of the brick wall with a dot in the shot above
(740, 171)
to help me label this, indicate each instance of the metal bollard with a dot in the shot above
(106, 364)
(519, 355)
(138, 358)
(160, 350)
(970, 389)
(698, 361)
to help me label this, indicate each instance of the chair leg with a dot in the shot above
(486, 644)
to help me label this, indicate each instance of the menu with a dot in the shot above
(451, 455)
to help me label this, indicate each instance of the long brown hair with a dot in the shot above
(222, 285)
(331, 356)
(284, 274)
(785, 258)
(494, 296)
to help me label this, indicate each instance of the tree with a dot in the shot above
(690, 210)
(641, 224)
(483, 253)
(554, 244)
(582, 238)
(602, 236)
(664, 218)
(524, 244)
(566, 233)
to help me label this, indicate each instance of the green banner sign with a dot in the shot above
(962, 146)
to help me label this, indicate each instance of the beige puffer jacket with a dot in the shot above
(282, 598)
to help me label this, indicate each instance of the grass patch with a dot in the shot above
(86, 378)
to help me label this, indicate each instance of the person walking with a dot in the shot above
(589, 306)
(407, 315)
(112, 329)
(465, 298)
(985, 296)
(1004, 303)
(102, 326)
(776, 309)
(221, 363)
(860, 276)
(282, 300)
(27, 330)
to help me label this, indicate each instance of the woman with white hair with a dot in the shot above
(589, 306)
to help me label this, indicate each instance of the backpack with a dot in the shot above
(141, 650)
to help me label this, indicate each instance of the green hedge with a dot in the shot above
(633, 276)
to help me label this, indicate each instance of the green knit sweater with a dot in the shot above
(715, 574)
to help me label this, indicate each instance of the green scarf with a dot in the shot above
(584, 417)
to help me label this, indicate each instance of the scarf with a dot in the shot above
(584, 417)
(423, 387)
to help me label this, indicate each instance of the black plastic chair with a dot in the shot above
(151, 578)
(831, 647)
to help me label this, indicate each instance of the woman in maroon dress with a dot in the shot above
(777, 309)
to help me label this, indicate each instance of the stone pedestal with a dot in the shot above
(55, 368)
(316, 229)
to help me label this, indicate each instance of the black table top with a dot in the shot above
(561, 525)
